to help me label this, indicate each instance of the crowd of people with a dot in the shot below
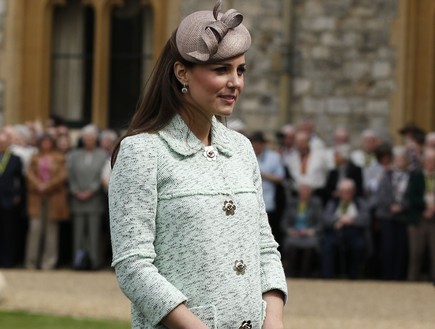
(53, 196)
(338, 211)
(366, 212)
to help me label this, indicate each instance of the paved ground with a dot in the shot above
(312, 304)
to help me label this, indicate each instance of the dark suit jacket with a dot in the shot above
(352, 171)
(11, 183)
(385, 198)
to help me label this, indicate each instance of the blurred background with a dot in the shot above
(344, 87)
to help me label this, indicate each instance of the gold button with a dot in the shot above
(229, 207)
(210, 153)
(239, 267)
(246, 325)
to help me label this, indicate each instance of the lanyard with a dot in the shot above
(343, 208)
(302, 207)
(5, 161)
(430, 183)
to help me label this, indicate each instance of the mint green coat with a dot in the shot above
(173, 241)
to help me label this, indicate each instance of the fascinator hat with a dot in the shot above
(211, 36)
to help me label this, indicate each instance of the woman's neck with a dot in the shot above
(199, 124)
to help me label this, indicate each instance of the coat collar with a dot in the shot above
(181, 139)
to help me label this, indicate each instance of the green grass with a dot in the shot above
(24, 320)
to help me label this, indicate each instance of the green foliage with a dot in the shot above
(24, 320)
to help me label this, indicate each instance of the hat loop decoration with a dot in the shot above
(211, 36)
(216, 31)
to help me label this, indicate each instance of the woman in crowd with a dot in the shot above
(192, 247)
(47, 203)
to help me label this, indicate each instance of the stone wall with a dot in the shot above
(2, 19)
(343, 63)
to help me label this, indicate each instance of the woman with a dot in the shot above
(192, 247)
(87, 204)
(47, 203)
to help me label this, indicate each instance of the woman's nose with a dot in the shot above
(235, 80)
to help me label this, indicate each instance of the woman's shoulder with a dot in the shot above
(139, 139)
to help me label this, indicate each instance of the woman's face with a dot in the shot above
(46, 145)
(214, 88)
(89, 141)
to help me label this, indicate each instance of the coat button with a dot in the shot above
(246, 325)
(210, 153)
(239, 267)
(229, 207)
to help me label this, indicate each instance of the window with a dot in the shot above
(71, 64)
(130, 59)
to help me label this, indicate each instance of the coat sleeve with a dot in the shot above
(72, 174)
(329, 214)
(272, 273)
(32, 178)
(132, 206)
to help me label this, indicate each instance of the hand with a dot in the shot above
(270, 324)
(308, 232)
(181, 318)
(395, 208)
(293, 233)
(42, 188)
(429, 212)
(338, 224)
(347, 220)
(83, 195)
(274, 310)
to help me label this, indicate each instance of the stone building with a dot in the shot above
(356, 63)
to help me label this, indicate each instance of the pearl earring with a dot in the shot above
(184, 90)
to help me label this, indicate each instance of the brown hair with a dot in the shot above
(162, 98)
(45, 137)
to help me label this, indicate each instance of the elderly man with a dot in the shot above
(344, 168)
(87, 203)
(366, 156)
(272, 174)
(345, 221)
(308, 164)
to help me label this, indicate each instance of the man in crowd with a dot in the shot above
(272, 174)
(11, 193)
(345, 220)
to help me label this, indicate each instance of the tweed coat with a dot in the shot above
(172, 240)
(57, 191)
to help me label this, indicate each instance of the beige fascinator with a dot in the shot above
(210, 36)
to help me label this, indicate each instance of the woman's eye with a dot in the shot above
(241, 70)
(221, 69)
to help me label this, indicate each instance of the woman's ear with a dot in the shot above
(180, 72)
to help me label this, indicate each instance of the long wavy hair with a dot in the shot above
(162, 98)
